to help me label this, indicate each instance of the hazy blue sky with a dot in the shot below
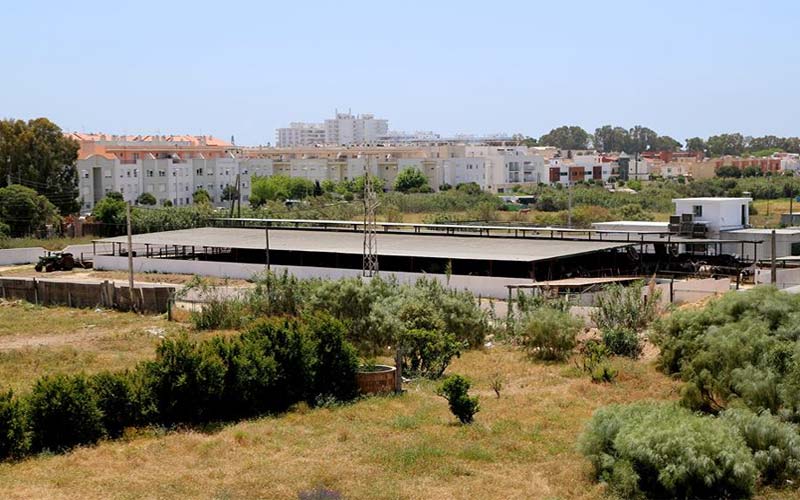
(244, 68)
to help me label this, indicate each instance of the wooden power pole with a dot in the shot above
(130, 257)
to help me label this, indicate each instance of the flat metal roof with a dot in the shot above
(389, 244)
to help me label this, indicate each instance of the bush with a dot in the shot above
(625, 307)
(664, 451)
(427, 353)
(455, 389)
(115, 399)
(775, 444)
(595, 361)
(742, 347)
(63, 413)
(13, 427)
(622, 342)
(287, 343)
(335, 361)
(146, 199)
(186, 381)
(549, 334)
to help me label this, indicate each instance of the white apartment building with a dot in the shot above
(346, 129)
(343, 129)
(300, 134)
(167, 179)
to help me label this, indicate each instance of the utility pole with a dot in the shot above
(569, 204)
(266, 248)
(239, 194)
(130, 256)
(774, 270)
(370, 252)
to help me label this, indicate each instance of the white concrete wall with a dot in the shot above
(478, 285)
(693, 290)
(14, 256)
(785, 277)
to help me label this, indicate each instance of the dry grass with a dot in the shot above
(769, 212)
(35, 341)
(48, 243)
(521, 446)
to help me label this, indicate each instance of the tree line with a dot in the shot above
(639, 139)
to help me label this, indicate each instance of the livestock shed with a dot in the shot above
(469, 255)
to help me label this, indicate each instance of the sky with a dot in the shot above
(244, 68)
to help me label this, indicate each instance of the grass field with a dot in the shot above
(409, 446)
(522, 445)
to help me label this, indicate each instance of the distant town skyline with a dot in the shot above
(683, 69)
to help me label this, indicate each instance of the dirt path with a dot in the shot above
(20, 342)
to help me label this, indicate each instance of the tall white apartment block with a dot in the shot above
(347, 129)
(300, 134)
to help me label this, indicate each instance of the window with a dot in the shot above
(199, 171)
(162, 173)
(697, 210)
(85, 174)
(149, 173)
(107, 174)
(136, 172)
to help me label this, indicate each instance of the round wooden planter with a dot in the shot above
(376, 381)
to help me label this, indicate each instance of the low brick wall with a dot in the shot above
(149, 298)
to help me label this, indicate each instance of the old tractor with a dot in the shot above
(56, 261)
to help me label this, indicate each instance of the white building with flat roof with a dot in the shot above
(346, 129)
(719, 214)
(300, 134)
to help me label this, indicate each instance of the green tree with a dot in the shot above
(25, 211)
(608, 138)
(110, 210)
(665, 143)
(279, 187)
(229, 193)
(641, 139)
(729, 171)
(201, 197)
(146, 199)
(696, 144)
(411, 180)
(37, 154)
(726, 144)
(566, 137)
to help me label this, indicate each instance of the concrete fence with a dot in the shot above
(15, 256)
(149, 298)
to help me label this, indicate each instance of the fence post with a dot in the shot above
(398, 363)
(35, 291)
(672, 290)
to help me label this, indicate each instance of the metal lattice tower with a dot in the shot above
(370, 255)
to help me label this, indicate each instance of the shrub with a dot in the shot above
(664, 451)
(115, 399)
(775, 444)
(549, 334)
(285, 341)
(186, 381)
(622, 342)
(455, 389)
(595, 362)
(63, 413)
(335, 361)
(250, 374)
(427, 353)
(742, 347)
(625, 307)
(13, 427)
